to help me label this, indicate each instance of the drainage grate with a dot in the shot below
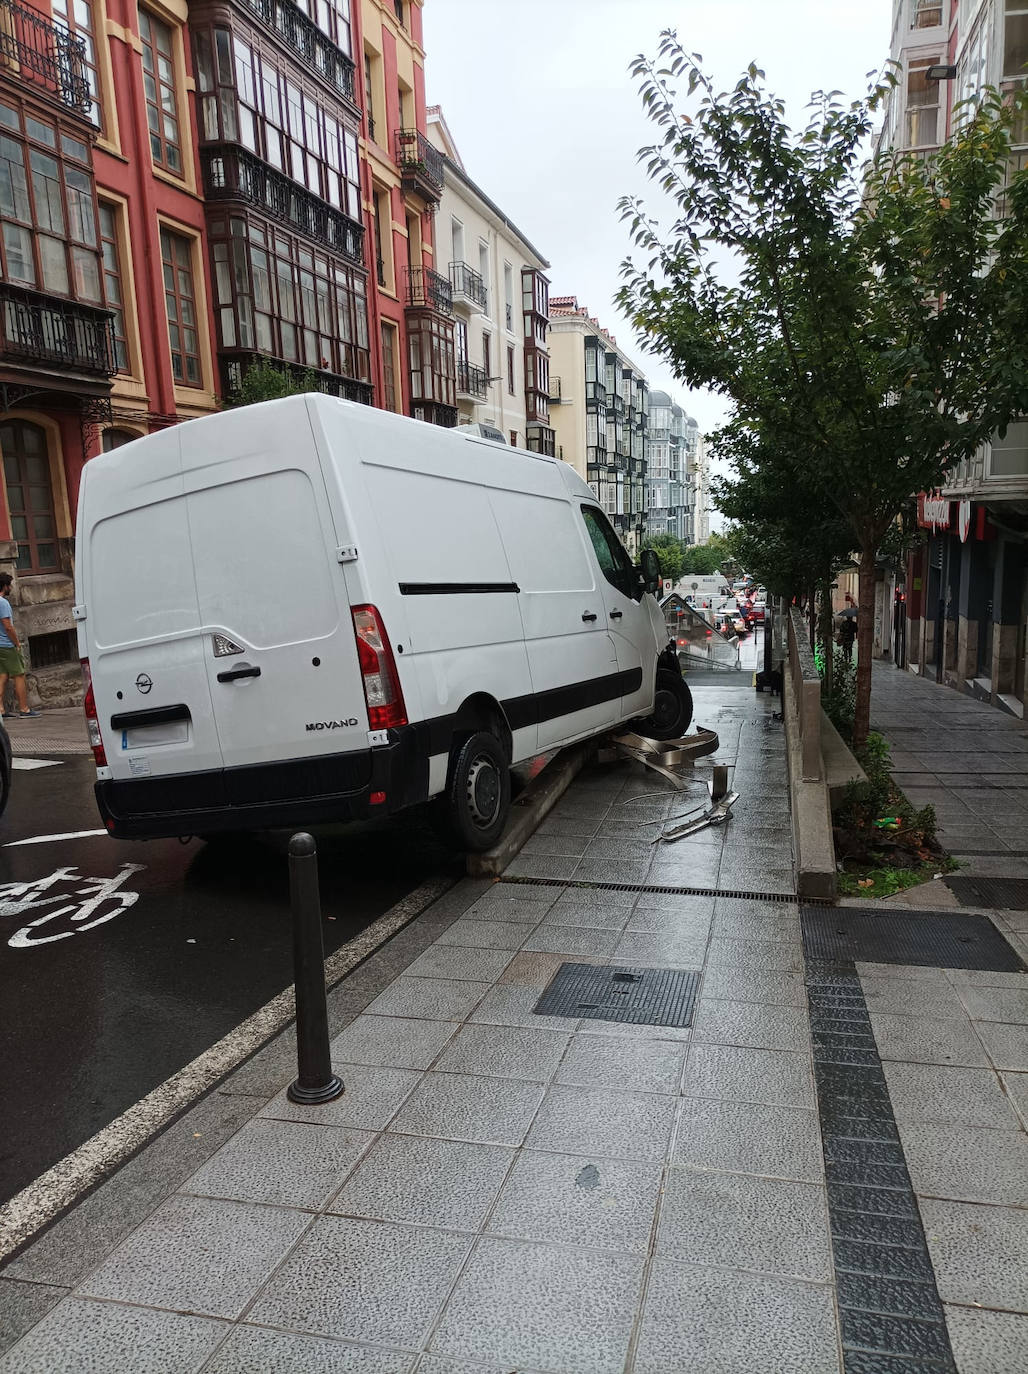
(1010, 894)
(641, 996)
(933, 939)
(659, 890)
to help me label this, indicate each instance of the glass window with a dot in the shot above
(180, 303)
(510, 370)
(159, 89)
(927, 14)
(1015, 39)
(922, 105)
(116, 438)
(614, 562)
(112, 283)
(392, 399)
(29, 495)
(77, 17)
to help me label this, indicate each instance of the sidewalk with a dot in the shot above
(503, 1191)
(57, 730)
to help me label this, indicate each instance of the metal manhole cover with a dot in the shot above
(932, 939)
(642, 996)
(1009, 894)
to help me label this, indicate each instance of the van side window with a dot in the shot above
(614, 562)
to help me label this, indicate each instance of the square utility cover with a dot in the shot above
(642, 996)
(931, 939)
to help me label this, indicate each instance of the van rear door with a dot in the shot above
(280, 651)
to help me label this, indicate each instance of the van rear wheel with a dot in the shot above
(672, 708)
(477, 799)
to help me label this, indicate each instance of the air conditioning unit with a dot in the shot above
(483, 431)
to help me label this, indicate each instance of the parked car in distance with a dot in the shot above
(758, 612)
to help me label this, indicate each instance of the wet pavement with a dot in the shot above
(121, 962)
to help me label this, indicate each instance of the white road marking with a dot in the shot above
(48, 839)
(62, 1184)
(28, 764)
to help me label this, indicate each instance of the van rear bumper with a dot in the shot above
(268, 796)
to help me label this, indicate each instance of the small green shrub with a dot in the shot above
(840, 703)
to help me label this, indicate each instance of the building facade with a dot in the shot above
(599, 404)
(671, 445)
(959, 610)
(500, 297)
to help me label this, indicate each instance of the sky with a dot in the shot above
(548, 121)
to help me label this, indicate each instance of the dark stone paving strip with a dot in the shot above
(890, 1314)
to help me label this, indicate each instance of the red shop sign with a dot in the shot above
(933, 512)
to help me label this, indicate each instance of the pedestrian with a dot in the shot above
(847, 621)
(12, 664)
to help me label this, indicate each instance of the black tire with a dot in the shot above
(476, 803)
(672, 708)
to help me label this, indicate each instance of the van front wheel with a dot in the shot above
(672, 708)
(478, 793)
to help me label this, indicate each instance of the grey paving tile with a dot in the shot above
(995, 1004)
(83, 1337)
(1016, 1085)
(425, 1182)
(259, 1350)
(929, 1092)
(719, 1321)
(756, 954)
(364, 1281)
(656, 949)
(556, 844)
(612, 870)
(907, 997)
(458, 962)
(511, 1004)
(1006, 1046)
(371, 1098)
(571, 941)
(911, 972)
(391, 1041)
(513, 902)
(731, 984)
(290, 1163)
(176, 1259)
(988, 1342)
(505, 1052)
(544, 1307)
(543, 866)
(471, 933)
(757, 921)
(602, 1204)
(22, 1305)
(966, 1163)
(630, 1030)
(688, 925)
(536, 970)
(780, 1142)
(978, 1253)
(600, 1121)
(441, 1364)
(588, 914)
(776, 1077)
(643, 1065)
(978, 978)
(927, 1040)
(751, 1023)
(453, 1106)
(773, 1225)
(684, 906)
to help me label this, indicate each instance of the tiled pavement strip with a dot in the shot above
(501, 1192)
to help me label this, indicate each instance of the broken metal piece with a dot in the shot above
(663, 756)
(717, 814)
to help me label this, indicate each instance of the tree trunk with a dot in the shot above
(865, 644)
(827, 648)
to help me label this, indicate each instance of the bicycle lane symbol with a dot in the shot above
(102, 895)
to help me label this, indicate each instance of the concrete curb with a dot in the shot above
(813, 847)
(532, 807)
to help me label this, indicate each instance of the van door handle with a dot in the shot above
(616, 615)
(588, 616)
(231, 674)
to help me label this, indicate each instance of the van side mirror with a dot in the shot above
(649, 566)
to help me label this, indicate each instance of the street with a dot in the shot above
(120, 963)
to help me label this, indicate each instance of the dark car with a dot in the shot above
(5, 768)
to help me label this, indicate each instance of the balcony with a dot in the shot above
(231, 173)
(234, 367)
(468, 287)
(596, 391)
(421, 165)
(47, 331)
(541, 439)
(429, 290)
(302, 35)
(556, 396)
(472, 383)
(45, 55)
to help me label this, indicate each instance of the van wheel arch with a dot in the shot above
(481, 712)
(481, 748)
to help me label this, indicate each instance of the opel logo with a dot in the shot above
(143, 683)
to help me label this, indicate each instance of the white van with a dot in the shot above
(310, 610)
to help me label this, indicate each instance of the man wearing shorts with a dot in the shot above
(11, 662)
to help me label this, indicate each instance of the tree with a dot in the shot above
(264, 380)
(871, 323)
(669, 550)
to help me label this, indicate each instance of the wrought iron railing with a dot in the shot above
(471, 380)
(468, 283)
(301, 34)
(429, 290)
(231, 173)
(41, 329)
(418, 159)
(45, 54)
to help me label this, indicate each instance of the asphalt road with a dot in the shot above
(122, 962)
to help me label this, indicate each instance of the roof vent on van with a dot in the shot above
(478, 429)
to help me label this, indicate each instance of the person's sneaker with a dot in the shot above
(26, 715)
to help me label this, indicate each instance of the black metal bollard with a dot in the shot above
(316, 1081)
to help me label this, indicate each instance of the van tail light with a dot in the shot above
(378, 671)
(89, 702)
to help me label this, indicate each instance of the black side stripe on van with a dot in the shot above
(156, 715)
(455, 588)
